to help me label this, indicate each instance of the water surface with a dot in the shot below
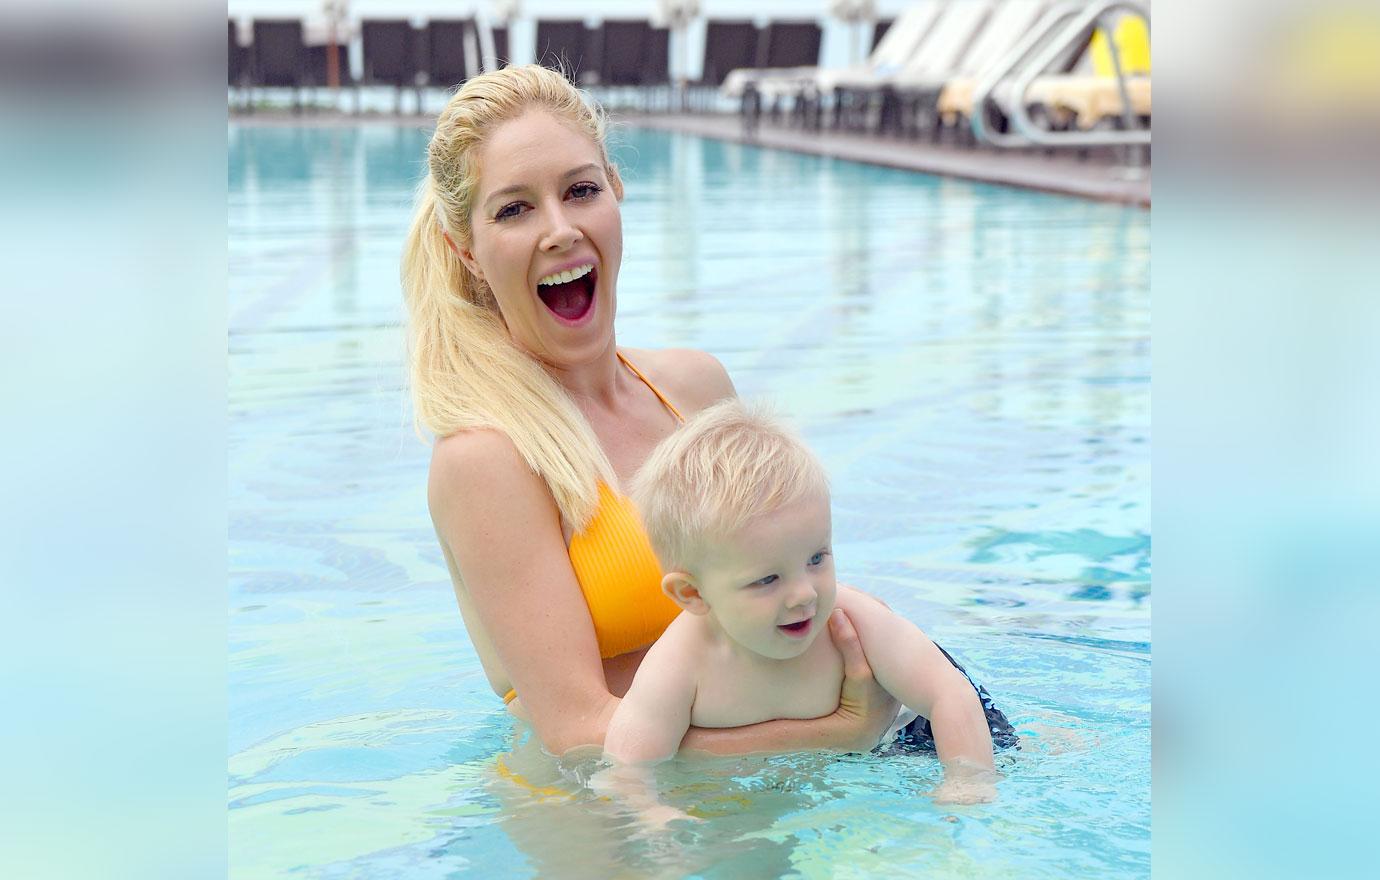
(971, 362)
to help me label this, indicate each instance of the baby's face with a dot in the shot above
(771, 586)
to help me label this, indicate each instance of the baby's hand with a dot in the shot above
(635, 788)
(658, 817)
(966, 784)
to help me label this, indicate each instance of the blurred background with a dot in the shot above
(1006, 90)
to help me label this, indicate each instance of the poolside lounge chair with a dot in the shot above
(318, 65)
(451, 50)
(789, 45)
(624, 42)
(390, 57)
(728, 45)
(1084, 102)
(561, 46)
(810, 84)
(656, 66)
(1049, 90)
(237, 57)
(279, 56)
(938, 57)
(613, 55)
(656, 61)
(918, 88)
(889, 52)
(955, 97)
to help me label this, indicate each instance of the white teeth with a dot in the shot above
(567, 276)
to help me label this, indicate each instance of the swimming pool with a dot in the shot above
(971, 362)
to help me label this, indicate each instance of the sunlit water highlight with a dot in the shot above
(971, 362)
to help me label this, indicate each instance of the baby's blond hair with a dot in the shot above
(726, 466)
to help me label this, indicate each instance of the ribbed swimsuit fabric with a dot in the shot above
(617, 571)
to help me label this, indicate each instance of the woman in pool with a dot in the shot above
(510, 275)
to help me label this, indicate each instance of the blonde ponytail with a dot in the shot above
(466, 372)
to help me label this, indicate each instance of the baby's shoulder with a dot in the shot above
(683, 644)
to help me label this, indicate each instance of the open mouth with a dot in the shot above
(796, 629)
(570, 299)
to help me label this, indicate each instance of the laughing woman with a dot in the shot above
(511, 279)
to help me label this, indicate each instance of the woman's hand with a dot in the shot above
(865, 709)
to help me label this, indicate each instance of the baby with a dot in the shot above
(737, 510)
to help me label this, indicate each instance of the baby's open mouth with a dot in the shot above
(569, 294)
(798, 628)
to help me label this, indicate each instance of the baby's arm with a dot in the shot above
(914, 671)
(654, 714)
(647, 727)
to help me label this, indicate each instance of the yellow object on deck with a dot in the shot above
(1132, 38)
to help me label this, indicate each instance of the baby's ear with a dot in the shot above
(680, 586)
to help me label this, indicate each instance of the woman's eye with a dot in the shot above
(762, 582)
(584, 190)
(508, 211)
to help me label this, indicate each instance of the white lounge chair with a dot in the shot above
(918, 87)
(892, 51)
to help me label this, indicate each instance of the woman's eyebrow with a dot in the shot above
(522, 187)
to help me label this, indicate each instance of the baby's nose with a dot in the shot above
(802, 593)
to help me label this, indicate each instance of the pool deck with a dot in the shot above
(1094, 178)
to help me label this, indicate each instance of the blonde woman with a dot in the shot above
(510, 274)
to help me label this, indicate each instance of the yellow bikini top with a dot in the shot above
(617, 570)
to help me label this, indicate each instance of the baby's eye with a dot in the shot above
(818, 557)
(762, 582)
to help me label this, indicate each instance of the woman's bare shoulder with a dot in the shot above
(475, 463)
(690, 378)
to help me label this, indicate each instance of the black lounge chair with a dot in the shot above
(236, 55)
(561, 46)
(790, 44)
(318, 65)
(787, 45)
(390, 57)
(279, 58)
(728, 45)
(449, 43)
(656, 67)
(625, 47)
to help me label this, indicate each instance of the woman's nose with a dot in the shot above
(560, 233)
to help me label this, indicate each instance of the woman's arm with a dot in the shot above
(503, 530)
(864, 713)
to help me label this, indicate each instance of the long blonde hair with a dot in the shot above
(466, 371)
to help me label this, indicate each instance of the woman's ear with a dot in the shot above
(680, 586)
(465, 254)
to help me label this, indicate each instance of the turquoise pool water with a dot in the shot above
(971, 362)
